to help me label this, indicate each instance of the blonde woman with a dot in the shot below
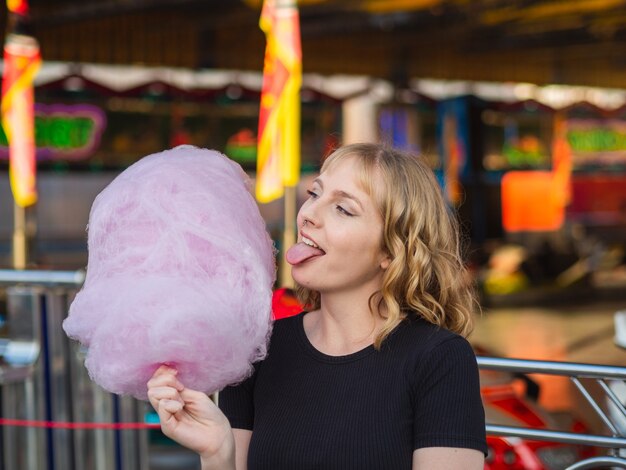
(376, 374)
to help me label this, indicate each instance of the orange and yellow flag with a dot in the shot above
(278, 155)
(21, 62)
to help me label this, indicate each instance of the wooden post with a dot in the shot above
(20, 242)
(289, 235)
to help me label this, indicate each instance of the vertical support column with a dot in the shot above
(10, 436)
(93, 448)
(360, 119)
(289, 235)
(134, 443)
(34, 437)
(58, 377)
(25, 447)
(22, 447)
(44, 379)
(20, 245)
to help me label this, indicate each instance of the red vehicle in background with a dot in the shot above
(285, 304)
(509, 400)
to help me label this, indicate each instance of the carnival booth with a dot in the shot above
(554, 190)
(92, 121)
(536, 175)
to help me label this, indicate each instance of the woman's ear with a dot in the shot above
(386, 261)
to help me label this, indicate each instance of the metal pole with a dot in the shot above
(42, 278)
(594, 405)
(289, 235)
(556, 436)
(526, 366)
(20, 244)
(599, 462)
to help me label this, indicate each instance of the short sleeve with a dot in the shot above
(448, 410)
(237, 403)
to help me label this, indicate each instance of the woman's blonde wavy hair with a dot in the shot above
(426, 275)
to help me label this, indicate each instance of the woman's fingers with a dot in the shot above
(164, 385)
(165, 376)
(160, 395)
(167, 409)
(193, 395)
(188, 416)
(164, 393)
(180, 408)
(171, 406)
(164, 370)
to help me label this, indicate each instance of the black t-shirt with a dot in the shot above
(367, 410)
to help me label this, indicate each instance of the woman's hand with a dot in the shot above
(192, 419)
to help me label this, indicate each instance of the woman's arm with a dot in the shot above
(448, 458)
(449, 420)
(242, 443)
(192, 419)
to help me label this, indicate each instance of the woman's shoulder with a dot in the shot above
(429, 350)
(422, 337)
(286, 328)
(415, 325)
(286, 323)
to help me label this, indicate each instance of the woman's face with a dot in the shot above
(344, 222)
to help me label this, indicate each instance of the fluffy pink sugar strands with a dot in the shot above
(180, 272)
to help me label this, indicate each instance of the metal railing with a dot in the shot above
(43, 381)
(9, 277)
(599, 374)
(37, 294)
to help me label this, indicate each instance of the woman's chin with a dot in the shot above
(298, 277)
(302, 278)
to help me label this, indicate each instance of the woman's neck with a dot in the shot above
(343, 324)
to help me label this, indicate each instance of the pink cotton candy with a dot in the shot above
(180, 272)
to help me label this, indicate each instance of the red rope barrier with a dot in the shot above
(67, 425)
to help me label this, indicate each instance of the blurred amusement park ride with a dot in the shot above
(514, 275)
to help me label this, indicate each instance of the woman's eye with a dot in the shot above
(343, 211)
(312, 194)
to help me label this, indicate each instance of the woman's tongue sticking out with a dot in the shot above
(301, 252)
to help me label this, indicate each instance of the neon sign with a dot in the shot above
(63, 132)
(241, 147)
(527, 151)
(597, 140)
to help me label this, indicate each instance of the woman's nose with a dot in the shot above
(306, 221)
(308, 216)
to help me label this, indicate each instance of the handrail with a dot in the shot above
(42, 278)
(527, 366)
(599, 462)
(557, 436)
(592, 372)
(599, 374)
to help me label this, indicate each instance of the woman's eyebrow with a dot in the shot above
(340, 193)
(346, 195)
